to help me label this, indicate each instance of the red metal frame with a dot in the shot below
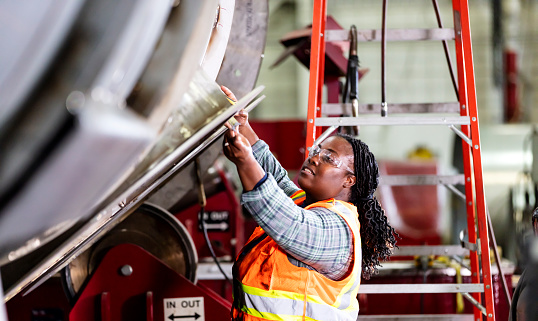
(469, 200)
(465, 58)
(474, 185)
(317, 68)
(110, 295)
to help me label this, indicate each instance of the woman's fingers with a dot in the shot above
(228, 93)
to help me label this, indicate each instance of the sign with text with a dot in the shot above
(215, 221)
(184, 309)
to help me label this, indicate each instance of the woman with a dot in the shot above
(304, 261)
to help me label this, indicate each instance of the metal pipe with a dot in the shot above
(384, 109)
(326, 133)
(493, 242)
(474, 302)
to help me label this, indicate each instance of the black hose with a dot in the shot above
(208, 242)
(203, 201)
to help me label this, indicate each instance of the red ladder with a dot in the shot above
(478, 245)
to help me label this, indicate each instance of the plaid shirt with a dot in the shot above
(316, 238)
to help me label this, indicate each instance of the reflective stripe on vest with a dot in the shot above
(340, 303)
(298, 197)
(290, 306)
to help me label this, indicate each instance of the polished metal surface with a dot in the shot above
(150, 227)
(246, 45)
(238, 71)
(30, 40)
(124, 204)
(74, 122)
(124, 104)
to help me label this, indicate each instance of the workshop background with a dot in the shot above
(116, 202)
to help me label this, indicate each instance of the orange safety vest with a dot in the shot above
(268, 287)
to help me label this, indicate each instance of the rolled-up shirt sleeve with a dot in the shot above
(317, 237)
(271, 165)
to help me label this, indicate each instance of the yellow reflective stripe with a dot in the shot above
(354, 306)
(279, 294)
(346, 289)
(298, 194)
(276, 317)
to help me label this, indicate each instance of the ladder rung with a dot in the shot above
(410, 317)
(338, 109)
(421, 250)
(392, 34)
(395, 120)
(400, 180)
(422, 288)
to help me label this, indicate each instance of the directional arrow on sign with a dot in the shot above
(172, 316)
(223, 226)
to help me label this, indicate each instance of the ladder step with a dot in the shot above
(410, 317)
(364, 35)
(422, 288)
(401, 180)
(338, 109)
(394, 120)
(426, 250)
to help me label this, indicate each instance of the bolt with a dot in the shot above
(490, 315)
(462, 106)
(475, 146)
(487, 286)
(468, 179)
(321, 34)
(311, 121)
(474, 118)
(470, 203)
(126, 270)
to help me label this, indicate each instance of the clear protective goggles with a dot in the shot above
(327, 157)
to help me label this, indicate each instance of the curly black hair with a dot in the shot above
(378, 237)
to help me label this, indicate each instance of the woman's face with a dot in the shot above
(328, 174)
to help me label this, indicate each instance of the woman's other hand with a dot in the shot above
(236, 147)
(242, 119)
(238, 150)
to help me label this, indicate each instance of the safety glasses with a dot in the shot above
(327, 157)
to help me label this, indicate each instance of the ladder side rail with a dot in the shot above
(477, 159)
(463, 44)
(317, 66)
(469, 199)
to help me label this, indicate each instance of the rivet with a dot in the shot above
(490, 315)
(126, 270)
(311, 121)
(487, 286)
(474, 118)
(475, 146)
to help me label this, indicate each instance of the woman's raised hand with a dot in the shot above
(242, 119)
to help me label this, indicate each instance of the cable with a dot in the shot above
(206, 237)
(203, 202)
